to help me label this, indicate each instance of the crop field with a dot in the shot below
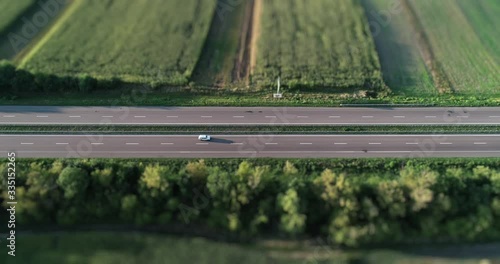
(319, 43)
(154, 42)
(464, 41)
(10, 10)
(403, 66)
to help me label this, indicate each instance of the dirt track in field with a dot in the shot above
(441, 80)
(247, 48)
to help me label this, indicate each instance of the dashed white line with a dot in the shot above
(271, 143)
(399, 116)
(411, 143)
(480, 143)
(236, 143)
(9, 116)
(340, 143)
(334, 116)
(172, 116)
(374, 143)
(306, 143)
(75, 116)
(302, 117)
(107, 116)
(201, 143)
(42, 116)
(97, 143)
(206, 116)
(494, 116)
(167, 143)
(445, 143)
(61, 143)
(27, 143)
(270, 116)
(140, 116)
(430, 116)
(131, 143)
(238, 117)
(463, 116)
(367, 116)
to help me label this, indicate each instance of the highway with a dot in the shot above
(245, 146)
(209, 116)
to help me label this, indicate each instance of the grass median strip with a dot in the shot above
(60, 129)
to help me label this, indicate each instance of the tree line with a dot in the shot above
(351, 202)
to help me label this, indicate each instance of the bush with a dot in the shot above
(352, 202)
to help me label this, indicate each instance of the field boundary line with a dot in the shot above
(69, 9)
(439, 76)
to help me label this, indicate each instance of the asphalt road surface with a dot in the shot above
(228, 146)
(46, 115)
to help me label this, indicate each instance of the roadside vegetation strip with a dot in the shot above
(173, 130)
(403, 66)
(154, 42)
(368, 201)
(458, 47)
(317, 44)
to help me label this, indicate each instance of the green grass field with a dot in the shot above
(10, 10)
(320, 43)
(403, 67)
(155, 41)
(131, 248)
(464, 43)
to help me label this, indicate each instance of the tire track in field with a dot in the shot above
(242, 68)
(257, 13)
(441, 80)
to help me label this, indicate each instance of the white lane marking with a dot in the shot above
(9, 116)
(27, 143)
(206, 116)
(494, 116)
(97, 143)
(107, 116)
(411, 143)
(42, 116)
(340, 143)
(445, 143)
(271, 143)
(302, 117)
(236, 143)
(167, 143)
(334, 116)
(172, 116)
(270, 116)
(201, 143)
(140, 116)
(131, 143)
(430, 116)
(75, 116)
(463, 116)
(306, 143)
(61, 143)
(374, 143)
(480, 143)
(238, 117)
(367, 116)
(399, 116)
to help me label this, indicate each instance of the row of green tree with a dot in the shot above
(352, 202)
(17, 82)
